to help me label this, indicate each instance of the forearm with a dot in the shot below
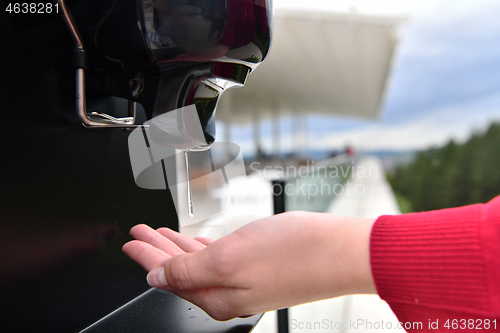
(354, 251)
(344, 255)
(322, 255)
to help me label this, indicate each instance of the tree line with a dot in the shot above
(451, 176)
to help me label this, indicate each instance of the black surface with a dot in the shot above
(68, 198)
(161, 311)
(279, 196)
(279, 207)
(283, 326)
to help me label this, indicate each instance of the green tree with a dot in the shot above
(454, 175)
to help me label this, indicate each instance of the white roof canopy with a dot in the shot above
(325, 63)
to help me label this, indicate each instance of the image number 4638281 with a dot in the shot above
(32, 8)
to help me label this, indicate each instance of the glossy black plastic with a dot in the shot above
(167, 313)
(199, 31)
(68, 195)
(179, 33)
(184, 42)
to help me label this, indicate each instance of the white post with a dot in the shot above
(256, 135)
(305, 133)
(276, 134)
(227, 136)
(296, 134)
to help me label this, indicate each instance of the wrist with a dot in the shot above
(350, 245)
(358, 235)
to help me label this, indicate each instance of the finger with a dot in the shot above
(186, 243)
(188, 272)
(146, 234)
(144, 254)
(218, 302)
(204, 240)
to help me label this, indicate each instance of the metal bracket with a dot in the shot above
(93, 119)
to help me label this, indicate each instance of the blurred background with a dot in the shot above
(408, 88)
(434, 123)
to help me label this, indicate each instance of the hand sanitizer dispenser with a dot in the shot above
(69, 197)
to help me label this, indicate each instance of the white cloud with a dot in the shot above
(386, 7)
(436, 128)
(447, 42)
(363, 6)
(441, 27)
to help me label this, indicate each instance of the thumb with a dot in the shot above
(185, 272)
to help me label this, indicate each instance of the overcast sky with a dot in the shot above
(445, 82)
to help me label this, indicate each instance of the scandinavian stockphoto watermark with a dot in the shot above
(312, 180)
(170, 152)
(311, 169)
(323, 188)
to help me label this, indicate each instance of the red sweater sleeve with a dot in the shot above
(440, 266)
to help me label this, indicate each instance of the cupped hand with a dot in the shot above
(153, 247)
(276, 262)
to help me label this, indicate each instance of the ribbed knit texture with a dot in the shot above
(439, 265)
